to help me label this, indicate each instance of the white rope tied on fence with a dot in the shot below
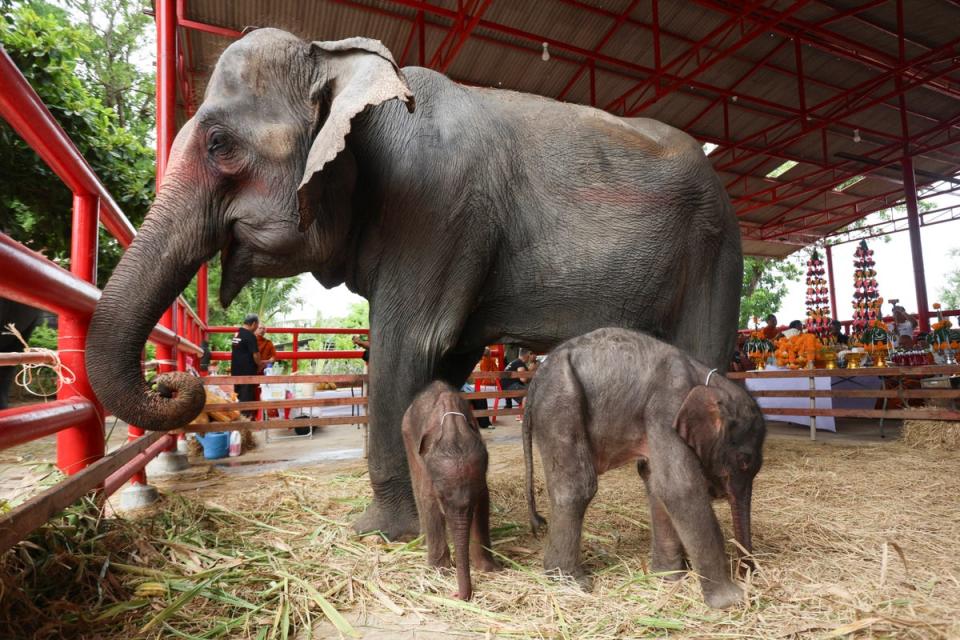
(24, 377)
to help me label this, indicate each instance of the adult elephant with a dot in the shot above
(480, 216)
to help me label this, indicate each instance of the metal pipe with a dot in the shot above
(26, 423)
(135, 467)
(299, 355)
(916, 247)
(82, 443)
(16, 359)
(323, 330)
(831, 283)
(22, 108)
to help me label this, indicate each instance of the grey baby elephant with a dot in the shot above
(448, 466)
(613, 396)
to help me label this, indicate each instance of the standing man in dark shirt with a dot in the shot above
(522, 363)
(245, 360)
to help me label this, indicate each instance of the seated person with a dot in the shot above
(836, 332)
(795, 329)
(770, 331)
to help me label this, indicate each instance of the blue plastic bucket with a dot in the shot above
(215, 445)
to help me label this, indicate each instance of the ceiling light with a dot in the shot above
(545, 56)
(856, 135)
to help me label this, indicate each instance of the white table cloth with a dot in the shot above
(800, 384)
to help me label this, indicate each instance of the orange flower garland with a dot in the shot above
(797, 350)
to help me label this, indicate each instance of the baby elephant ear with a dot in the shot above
(699, 422)
(355, 73)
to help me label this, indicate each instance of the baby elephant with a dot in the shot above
(448, 465)
(613, 396)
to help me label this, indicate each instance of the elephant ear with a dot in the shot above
(359, 73)
(699, 421)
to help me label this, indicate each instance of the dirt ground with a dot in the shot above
(854, 536)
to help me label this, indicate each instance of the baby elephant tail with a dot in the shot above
(536, 520)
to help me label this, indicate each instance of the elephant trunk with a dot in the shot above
(462, 520)
(154, 270)
(740, 511)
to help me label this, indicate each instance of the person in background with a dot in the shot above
(770, 331)
(268, 352)
(522, 363)
(836, 332)
(902, 326)
(795, 329)
(365, 345)
(245, 360)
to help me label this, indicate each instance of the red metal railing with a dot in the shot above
(295, 355)
(76, 417)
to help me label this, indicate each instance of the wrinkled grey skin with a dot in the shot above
(483, 216)
(614, 396)
(448, 466)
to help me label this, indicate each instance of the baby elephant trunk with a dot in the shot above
(740, 511)
(462, 520)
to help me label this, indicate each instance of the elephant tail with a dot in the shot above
(536, 520)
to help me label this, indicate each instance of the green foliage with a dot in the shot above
(35, 206)
(266, 297)
(950, 294)
(765, 283)
(357, 318)
(44, 337)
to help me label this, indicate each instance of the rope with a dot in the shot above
(24, 377)
(451, 413)
(709, 374)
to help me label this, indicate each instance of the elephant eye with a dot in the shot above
(218, 143)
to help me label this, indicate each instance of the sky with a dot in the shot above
(894, 269)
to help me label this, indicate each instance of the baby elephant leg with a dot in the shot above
(480, 556)
(571, 484)
(667, 549)
(433, 525)
(676, 480)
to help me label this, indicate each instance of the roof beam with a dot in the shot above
(617, 23)
(834, 44)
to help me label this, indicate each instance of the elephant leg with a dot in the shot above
(435, 533)
(677, 481)
(667, 549)
(480, 555)
(571, 481)
(398, 371)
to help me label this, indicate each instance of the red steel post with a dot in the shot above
(831, 283)
(916, 247)
(82, 443)
(295, 363)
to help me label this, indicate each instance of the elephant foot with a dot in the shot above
(672, 569)
(722, 595)
(486, 564)
(398, 522)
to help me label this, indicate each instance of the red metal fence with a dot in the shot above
(30, 278)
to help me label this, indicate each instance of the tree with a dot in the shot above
(115, 30)
(950, 294)
(266, 297)
(35, 205)
(358, 317)
(764, 286)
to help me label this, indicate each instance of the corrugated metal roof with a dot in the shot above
(841, 49)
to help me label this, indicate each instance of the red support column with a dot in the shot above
(82, 444)
(181, 316)
(916, 248)
(202, 297)
(296, 344)
(832, 283)
(166, 130)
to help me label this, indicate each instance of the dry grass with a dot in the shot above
(931, 434)
(850, 540)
